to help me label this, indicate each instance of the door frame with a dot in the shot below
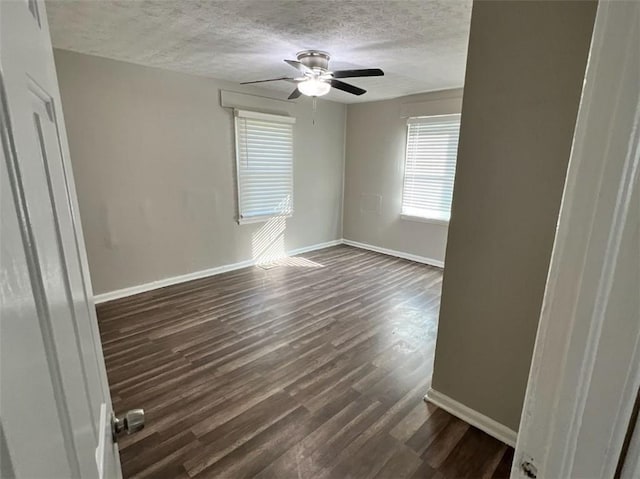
(570, 360)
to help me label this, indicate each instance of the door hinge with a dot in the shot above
(529, 469)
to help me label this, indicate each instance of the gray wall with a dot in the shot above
(152, 153)
(374, 169)
(523, 82)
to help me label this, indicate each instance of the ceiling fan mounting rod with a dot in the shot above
(314, 59)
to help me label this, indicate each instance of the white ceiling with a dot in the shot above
(420, 44)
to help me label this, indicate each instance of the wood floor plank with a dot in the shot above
(445, 442)
(224, 439)
(429, 431)
(310, 455)
(166, 452)
(402, 464)
(404, 429)
(476, 456)
(368, 460)
(251, 457)
(425, 471)
(503, 470)
(314, 367)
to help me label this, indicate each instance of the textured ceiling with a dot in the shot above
(420, 44)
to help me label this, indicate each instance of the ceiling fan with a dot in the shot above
(317, 79)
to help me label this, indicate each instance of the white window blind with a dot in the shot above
(264, 161)
(430, 166)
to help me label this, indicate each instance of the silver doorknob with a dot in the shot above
(130, 422)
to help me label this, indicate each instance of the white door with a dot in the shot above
(55, 407)
(585, 373)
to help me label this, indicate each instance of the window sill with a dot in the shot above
(262, 219)
(422, 219)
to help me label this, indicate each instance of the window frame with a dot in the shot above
(238, 114)
(414, 217)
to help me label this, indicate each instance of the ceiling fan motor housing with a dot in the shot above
(314, 59)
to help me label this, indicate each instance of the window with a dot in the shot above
(430, 166)
(264, 162)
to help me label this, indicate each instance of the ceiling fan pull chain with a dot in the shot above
(313, 115)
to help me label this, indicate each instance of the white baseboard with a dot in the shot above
(142, 288)
(473, 417)
(123, 293)
(313, 247)
(398, 254)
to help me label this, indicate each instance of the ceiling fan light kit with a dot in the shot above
(314, 87)
(317, 79)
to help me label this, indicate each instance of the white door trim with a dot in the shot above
(570, 360)
(631, 466)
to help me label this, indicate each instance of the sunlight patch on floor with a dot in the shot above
(296, 261)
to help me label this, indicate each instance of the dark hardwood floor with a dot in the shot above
(313, 368)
